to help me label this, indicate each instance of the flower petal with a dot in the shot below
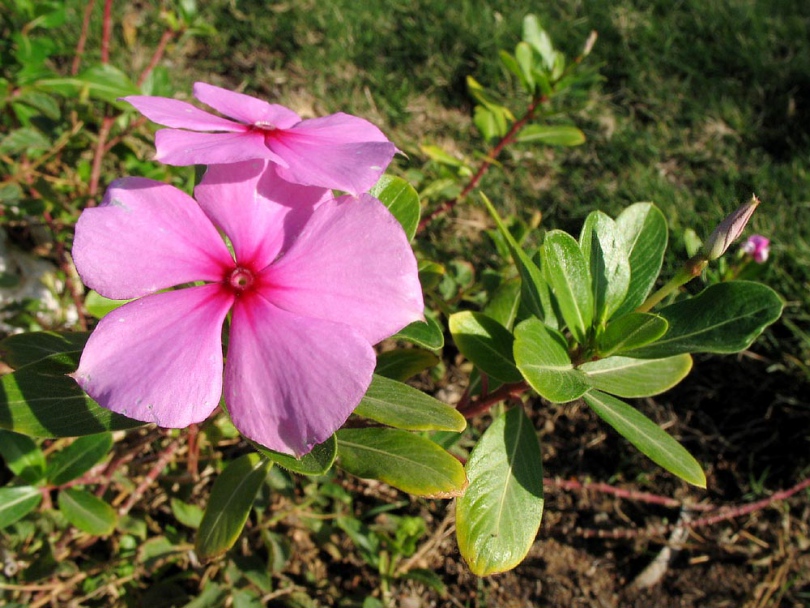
(257, 210)
(144, 237)
(180, 115)
(351, 264)
(245, 108)
(182, 148)
(338, 151)
(159, 359)
(291, 381)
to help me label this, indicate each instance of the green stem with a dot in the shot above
(693, 267)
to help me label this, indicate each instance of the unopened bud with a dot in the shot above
(729, 230)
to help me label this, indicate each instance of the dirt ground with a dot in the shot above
(753, 440)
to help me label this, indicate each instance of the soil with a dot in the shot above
(752, 439)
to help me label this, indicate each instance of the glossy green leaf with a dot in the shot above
(78, 458)
(187, 514)
(229, 505)
(406, 461)
(401, 199)
(542, 357)
(650, 439)
(17, 502)
(403, 363)
(627, 377)
(23, 349)
(428, 333)
(723, 318)
(87, 512)
(40, 400)
(644, 230)
(103, 82)
(538, 39)
(504, 304)
(22, 456)
(430, 274)
(486, 343)
(630, 331)
(315, 462)
(98, 306)
(535, 290)
(498, 516)
(404, 407)
(566, 271)
(552, 135)
(608, 264)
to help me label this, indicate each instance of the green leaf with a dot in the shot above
(498, 516)
(723, 318)
(315, 462)
(630, 331)
(17, 502)
(98, 306)
(603, 248)
(567, 273)
(402, 364)
(525, 61)
(187, 514)
(23, 349)
(535, 289)
(22, 456)
(430, 274)
(644, 230)
(103, 82)
(46, 104)
(78, 458)
(536, 36)
(403, 407)
(504, 304)
(427, 334)
(542, 357)
(552, 135)
(511, 64)
(491, 123)
(650, 439)
(486, 343)
(41, 401)
(229, 505)
(406, 461)
(87, 512)
(402, 201)
(26, 139)
(627, 377)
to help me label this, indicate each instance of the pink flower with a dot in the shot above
(312, 284)
(758, 247)
(340, 151)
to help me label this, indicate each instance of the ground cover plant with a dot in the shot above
(552, 299)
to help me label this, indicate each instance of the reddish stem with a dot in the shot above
(157, 55)
(98, 157)
(72, 281)
(77, 59)
(483, 403)
(106, 32)
(491, 156)
(664, 501)
(163, 460)
(723, 514)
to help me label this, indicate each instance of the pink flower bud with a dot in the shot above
(758, 247)
(729, 230)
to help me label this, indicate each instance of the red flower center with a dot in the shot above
(240, 280)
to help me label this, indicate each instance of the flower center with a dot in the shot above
(262, 125)
(240, 280)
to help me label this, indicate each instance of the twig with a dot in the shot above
(163, 460)
(664, 501)
(657, 568)
(77, 59)
(723, 514)
(98, 158)
(106, 32)
(447, 206)
(157, 55)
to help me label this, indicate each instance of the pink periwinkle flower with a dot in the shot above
(312, 284)
(758, 247)
(339, 151)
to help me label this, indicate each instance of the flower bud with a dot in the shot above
(758, 247)
(729, 230)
